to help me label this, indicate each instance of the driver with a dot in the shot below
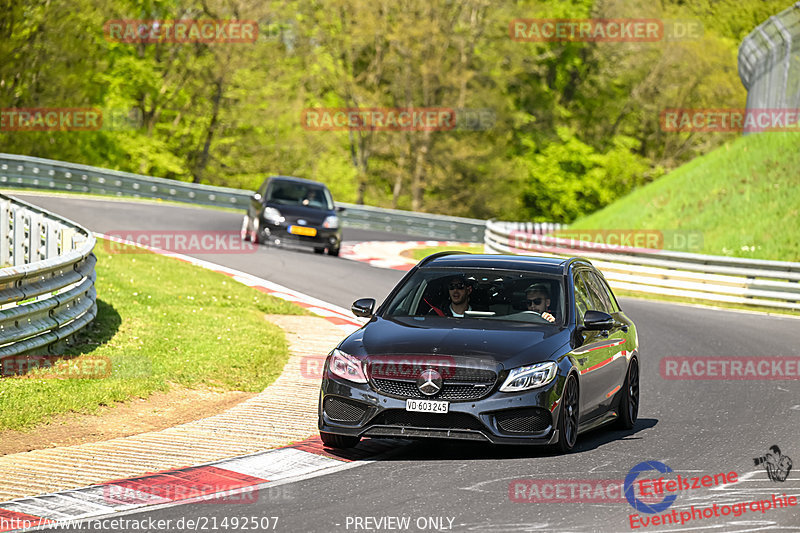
(538, 300)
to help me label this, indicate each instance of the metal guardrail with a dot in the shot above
(47, 278)
(759, 282)
(38, 173)
(769, 62)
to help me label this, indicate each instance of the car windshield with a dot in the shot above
(296, 193)
(492, 295)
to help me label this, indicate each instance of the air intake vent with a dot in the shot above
(523, 420)
(341, 410)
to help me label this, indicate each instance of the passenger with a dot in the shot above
(459, 293)
(538, 300)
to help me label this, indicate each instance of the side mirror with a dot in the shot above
(597, 321)
(340, 209)
(363, 307)
(256, 197)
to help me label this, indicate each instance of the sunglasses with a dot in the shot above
(535, 301)
(457, 285)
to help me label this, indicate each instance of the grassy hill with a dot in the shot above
(744, 199)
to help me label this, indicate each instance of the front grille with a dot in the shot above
(523, 420)
(450, 391)
(398, 417)
(342, 410)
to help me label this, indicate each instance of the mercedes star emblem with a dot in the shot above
(429, 382)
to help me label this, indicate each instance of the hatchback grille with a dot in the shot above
(398, 417)
(342, 410)
(523, 420)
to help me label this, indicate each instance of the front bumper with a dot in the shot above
(324, 238)
(347, 408)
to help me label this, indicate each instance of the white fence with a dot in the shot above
(722, 279)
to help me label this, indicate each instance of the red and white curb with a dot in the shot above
(235, 480)
(338, 316)
(232, 480)
(387, 254)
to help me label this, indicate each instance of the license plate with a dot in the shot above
(427, 406)
(302, 230)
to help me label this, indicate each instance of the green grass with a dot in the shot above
(744, 199)
(160, 322)
(422, 253)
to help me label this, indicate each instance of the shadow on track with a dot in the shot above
(452, 450)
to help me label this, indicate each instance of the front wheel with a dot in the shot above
(257, 235)
(246, 228)
(629, 404)
(332, 440)
(568, 421)
(333, 251)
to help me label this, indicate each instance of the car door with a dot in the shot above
(600, 351)
(257, 201)
(619, 338)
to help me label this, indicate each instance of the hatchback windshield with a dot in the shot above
(295, 193)
(490, 295)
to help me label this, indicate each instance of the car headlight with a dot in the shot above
(273, 215)
(530, 377)
(331, 222)
(347, 367)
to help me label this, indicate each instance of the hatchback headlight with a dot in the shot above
(347, 367)
(331, 222)
(273, 215)
(530, 377)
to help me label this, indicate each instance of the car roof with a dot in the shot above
(296, 180)
(545, 265)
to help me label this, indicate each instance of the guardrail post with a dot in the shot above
(5, 233)
(18, 240)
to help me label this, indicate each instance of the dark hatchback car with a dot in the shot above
(296, 211)
(542, 353)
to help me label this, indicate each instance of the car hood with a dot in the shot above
(510, 344)
(292, 213)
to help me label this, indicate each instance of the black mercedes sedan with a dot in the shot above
(288, 210)
(493, 348)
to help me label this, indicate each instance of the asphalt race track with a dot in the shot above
(695, 427)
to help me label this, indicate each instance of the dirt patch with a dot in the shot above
(160, 411)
